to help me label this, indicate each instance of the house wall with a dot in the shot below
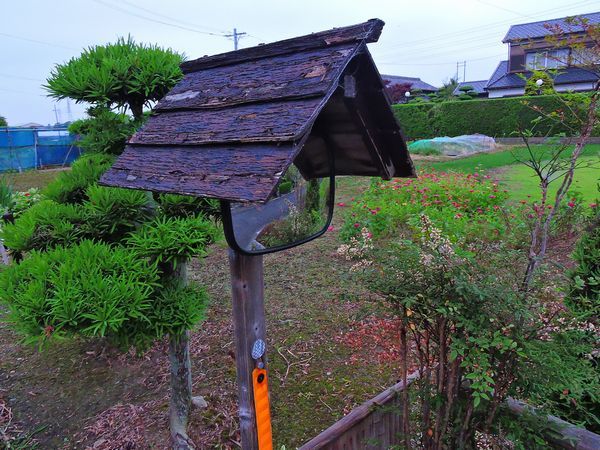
(517, 50)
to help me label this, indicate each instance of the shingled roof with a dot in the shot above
(415, 83)
(533, 30)
(236, 121)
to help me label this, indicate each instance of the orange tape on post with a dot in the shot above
(262, 408)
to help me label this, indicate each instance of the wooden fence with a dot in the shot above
(376, 425)
(373, 425)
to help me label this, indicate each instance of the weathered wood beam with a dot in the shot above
(560, 433)
(247, 291)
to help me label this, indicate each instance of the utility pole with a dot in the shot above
(57, 114)
(236, 37)
(462, 64)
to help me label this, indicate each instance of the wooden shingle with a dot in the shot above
(231, 127)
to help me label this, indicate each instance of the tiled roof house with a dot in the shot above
(415, 83)
(529, 50)
(478, 87)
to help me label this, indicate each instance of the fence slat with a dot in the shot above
(368, 422)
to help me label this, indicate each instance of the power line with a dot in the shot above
(14, 91)
(440, 64)
(435, 51)
(420, 48)
(150, 19)
(505, 9)
(480, 27)
(6, 75)
(172, 19)
(50, 44)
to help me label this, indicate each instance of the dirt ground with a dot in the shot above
(323, 361)
(329, 349)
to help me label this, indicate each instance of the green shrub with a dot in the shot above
(88, 289)
(104, 131)
(114, 212)
(285, 187)
(415, 120)
(176, 309)
(423, 150)
(169, 240)
(6, 195)
(117, 75)
(71, 186)
(584, 290)
(547, 88)
(173, 205)
(573, 394)
(463, 206)
(44, 226)
(499, 117)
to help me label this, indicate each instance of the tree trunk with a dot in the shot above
(181, 376)
(137, 109)
(181, 390)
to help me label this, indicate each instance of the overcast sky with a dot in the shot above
(421, 38)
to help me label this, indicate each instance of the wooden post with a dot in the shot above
(247, 290)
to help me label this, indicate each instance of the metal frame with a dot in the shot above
(230, 235)
(228, 220)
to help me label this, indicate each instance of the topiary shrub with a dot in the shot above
(112, 213)
(496, 117)
(104, 131)
(70, 186)
(173, 205)
(88, 289)
(43, 226)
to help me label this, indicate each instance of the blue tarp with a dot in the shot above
(22, 149)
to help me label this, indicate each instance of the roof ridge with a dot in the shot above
(367, 31)
(558, 18)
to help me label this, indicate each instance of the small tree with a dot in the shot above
(547, 87)
(446, 92)
(579, 113)
(466, 92)
(3, 122)
(121, 75)
(104, 262)
(397, 91)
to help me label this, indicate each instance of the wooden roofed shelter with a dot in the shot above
(237, 121)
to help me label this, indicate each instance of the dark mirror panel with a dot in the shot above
(299, 210)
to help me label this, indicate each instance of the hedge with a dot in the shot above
(498, 117)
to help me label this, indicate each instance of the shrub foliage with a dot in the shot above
(493, 117)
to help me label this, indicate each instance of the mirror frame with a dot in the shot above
(230, 234)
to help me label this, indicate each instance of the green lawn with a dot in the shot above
(31, 178)
(487, 161)
(518, 177)
(520, 181)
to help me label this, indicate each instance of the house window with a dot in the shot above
(547, 59)
(584, 56)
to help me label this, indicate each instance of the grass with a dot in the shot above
(519, 178)
(31, 178)
(522, 183)
(494, 160)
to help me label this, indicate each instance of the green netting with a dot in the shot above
(453, 146)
